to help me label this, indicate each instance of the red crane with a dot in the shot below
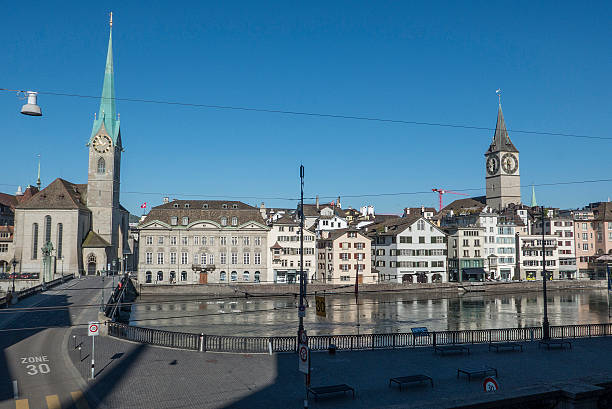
(442, 191)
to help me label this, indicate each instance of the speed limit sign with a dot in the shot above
(490, 384)
(304, 357)
(93, 329)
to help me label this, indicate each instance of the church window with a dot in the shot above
(35, 241)
(234, 221)
(60, 233)
(101, 165)
(47, 229)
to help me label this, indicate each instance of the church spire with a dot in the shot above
(534, 203)
(107, 115)
(501, 139)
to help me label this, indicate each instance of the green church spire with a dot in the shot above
(534, 203)
(107, 115)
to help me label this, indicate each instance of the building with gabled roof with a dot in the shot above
(344, 256)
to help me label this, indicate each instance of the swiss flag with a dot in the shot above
(144, 205)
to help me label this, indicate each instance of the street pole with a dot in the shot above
(545, 323)
(62, 269)
(14, 274)
(302, 281)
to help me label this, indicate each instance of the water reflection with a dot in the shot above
(370, 313)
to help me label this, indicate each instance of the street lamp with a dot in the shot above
(545, 323)
(31, 108)
(14, 262)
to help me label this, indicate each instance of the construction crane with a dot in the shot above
(443, 191)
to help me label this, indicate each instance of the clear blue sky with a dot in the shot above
(437, 62)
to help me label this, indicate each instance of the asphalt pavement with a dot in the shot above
(35, 371)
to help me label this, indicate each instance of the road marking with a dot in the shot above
(53, 402)
(15, 390)
(22, 404)
(79, 400)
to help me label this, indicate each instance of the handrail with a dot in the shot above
(239, 344)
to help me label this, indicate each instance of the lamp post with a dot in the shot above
(301, 310)
(14, 262)
(545, 323)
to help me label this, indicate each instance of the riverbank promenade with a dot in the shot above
(130, 375)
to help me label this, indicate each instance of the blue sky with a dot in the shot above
(433, 62)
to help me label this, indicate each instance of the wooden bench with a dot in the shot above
(508, 346)
(451, 349)
(559, 343)
(401, 380)
(323, 390)
(482, 371)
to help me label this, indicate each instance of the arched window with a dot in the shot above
(246, 276)
(234, 276)
(172, 277)
(183, 276)
(34, 241)
(257, 276)
(222, 276)
(148, 277)
(92, 258)
(60, 233)
(101, 165)
(160, 276)
(47, 229)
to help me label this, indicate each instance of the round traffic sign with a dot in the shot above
(93, 328)
(490, 384)
(304, 337)
(303, 353)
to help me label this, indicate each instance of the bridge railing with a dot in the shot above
(238, 344)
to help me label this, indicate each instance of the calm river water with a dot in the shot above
(378, 313)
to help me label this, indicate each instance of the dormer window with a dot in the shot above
(224, 206)
(176, 205)
(234, 221)
(234, 206)
(173, 220)
(224, 221)
(205, 206)
(187, 206)
(185, 221)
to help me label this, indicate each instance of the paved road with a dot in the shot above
(34, 360)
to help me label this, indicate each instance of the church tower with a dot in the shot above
(105, 159)
(502, 168)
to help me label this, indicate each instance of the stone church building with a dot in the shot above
(70, 227)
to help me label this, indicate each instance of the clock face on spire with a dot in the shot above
(492, 165)
(509, 163)
(102, 143)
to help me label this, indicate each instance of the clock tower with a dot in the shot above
(502, 168)
(104, 162)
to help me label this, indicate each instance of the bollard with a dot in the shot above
(74, 339)
(201, 342)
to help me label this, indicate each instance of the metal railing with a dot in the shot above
(36, 289)
(222, 343)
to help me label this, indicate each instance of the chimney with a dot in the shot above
(406, 211)
(338, 203)
(165, 200)
(422, 209)
(19, 191)
(317, 202)
(262, 211)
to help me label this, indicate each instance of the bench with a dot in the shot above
(322, 390)
(508, 346)
(560, 343)
(482, 371)
(401, 380)
(451, 349)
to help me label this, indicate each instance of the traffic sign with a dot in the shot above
(490, 384)
(93, 329)
(320, 302)
(303, 337)
(304, 356)
(301, 311)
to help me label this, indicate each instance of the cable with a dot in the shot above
(319, 114)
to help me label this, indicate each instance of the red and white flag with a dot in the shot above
(144, 205)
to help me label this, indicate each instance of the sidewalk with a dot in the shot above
(131, 375)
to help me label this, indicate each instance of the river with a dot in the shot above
(371, 313)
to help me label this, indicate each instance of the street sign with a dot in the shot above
(320, 302)
(490, 384)
(303, 357)
(93, 329)
(303, 338)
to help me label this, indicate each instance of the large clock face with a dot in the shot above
(509, 163)
(102, 143)
(492, 165)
